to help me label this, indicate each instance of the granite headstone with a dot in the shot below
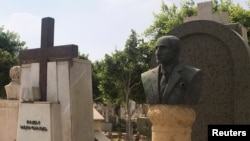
(223, 56)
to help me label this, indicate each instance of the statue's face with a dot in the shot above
(15, 73)
(165, 54)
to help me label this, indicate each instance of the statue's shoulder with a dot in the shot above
(190, 72)
(150, 72)
(191, 69)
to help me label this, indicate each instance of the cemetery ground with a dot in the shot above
(113, 124)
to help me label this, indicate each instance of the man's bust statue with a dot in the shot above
(13, 88)
(171, 82)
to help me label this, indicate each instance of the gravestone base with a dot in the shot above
(69, 83)
(171, 122)
(39, 121)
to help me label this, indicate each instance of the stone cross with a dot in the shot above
(205, 12)
(47, 53)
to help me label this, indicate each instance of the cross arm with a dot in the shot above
(29, 56)
(62, 52)
(51, 53)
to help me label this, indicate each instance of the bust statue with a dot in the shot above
(13, 88)
(171, 82)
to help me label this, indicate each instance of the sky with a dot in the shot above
(98, 27)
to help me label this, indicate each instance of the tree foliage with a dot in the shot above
(10, 45)
(119, 73)
(170, 17)
(83, 56)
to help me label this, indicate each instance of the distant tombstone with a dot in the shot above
(106, 113)
(98, 119)
(132, 106)
(123, 112)
(117, 110)
(141, 111)
(101, 108)
(106, 127)
(223, 56)
(13, 88)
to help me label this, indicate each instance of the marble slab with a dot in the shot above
(39, 121)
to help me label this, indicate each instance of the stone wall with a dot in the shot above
(8, 119)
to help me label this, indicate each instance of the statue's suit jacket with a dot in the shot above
(183, 86)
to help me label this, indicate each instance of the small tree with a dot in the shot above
(120, 74)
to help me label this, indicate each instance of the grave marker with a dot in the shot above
(66, 110)
(223, 56)
(205, 12)
(47, 53)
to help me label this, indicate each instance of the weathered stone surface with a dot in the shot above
(73, 89)
(240, 29)
(30, 93)
(80, 92)
(29, 80)
(224, 58)
(205, 12)
(8, 119)
(171, 122)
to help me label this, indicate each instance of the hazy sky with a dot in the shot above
(98, 27)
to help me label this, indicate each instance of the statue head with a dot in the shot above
(15, 73)
(167, 49)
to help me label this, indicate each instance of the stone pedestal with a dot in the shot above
(12, 90)
(171, 122)
(39, 121)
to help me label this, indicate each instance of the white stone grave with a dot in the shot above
(69, 96)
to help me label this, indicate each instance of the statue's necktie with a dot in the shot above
(163, 84)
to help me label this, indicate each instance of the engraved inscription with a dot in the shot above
(33, 125)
